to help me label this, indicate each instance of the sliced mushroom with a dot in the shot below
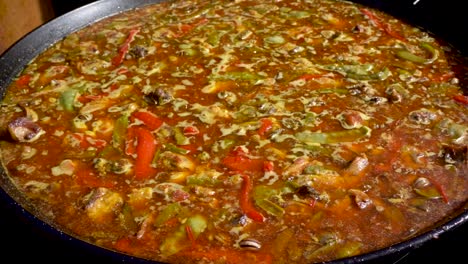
(79, 122)
(172, 191)
(121, 166)
(250, 244)
(350, 119)
(422, 116)
(23, 129)
(297, 167)
(228, 96)
(361, 198)
(174, 161)
(361, 88)
(66, 167)
(291, 123)
(421, 182)
(358, 165)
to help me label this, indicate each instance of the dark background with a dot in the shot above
(25, 239)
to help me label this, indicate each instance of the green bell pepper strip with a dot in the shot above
(180, 138)
(120, 132)
(348, 249)
(351, 135)
(238, 76)
(244, 200)
(173, 148)
(358, 71)
(407, 55)
(261, 196)
(67, 99)
(203, 180)
(270, 207)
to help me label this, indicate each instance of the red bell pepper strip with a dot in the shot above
(149, 119)
(123, 50)
(266, 125)
(23, 80)
(145, 150)
(88, 98)
(441, 189)
(461, 99)
(191, 131)
(122, 71)
(268, 166)
(186, 28)
(238, 160)
(242, 163)
(383, 27)
(245, 204)
(190, 235)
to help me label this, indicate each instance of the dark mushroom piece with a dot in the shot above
(422, 116)
(395, 93)
(358, 29)
(138, 51)
(23, 129)
(455, 154)
(307, 192)
(376, 100)
(159, 97)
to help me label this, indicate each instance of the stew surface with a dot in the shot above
(241, 131)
